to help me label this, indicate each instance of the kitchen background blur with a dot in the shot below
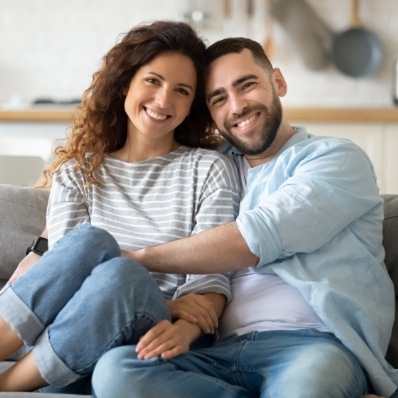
(50, 48)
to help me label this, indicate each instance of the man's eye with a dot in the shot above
(247, 85)
(217, 101)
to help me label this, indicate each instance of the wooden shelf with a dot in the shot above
(37, 115)
(375, 115)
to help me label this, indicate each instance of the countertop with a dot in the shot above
(372, 115)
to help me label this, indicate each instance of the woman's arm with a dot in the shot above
(26, 263)
(168, 339)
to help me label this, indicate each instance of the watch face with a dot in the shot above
(41, 245)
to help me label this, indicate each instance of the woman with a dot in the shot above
(129, 176)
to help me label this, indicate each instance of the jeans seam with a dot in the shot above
(83, 371)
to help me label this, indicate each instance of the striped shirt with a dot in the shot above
(150, 202)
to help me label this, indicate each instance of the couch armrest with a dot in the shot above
(23, 217)
(390, 234)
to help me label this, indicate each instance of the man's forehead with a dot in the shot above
(228, 69)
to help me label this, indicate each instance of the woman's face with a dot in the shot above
(160, 96)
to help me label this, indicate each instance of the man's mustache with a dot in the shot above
(245, 111)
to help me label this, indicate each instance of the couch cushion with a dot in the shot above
(390, 242)
(22, 215)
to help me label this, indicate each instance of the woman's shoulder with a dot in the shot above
(206, 154)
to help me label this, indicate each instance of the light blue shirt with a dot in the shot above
(313, 215)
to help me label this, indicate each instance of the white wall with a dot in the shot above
(52, 47)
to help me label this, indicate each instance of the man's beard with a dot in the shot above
(268, 133)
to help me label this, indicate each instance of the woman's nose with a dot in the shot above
(163, 97)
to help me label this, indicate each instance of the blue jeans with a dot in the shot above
(80, 300)
(282, 364)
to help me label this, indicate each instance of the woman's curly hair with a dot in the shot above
(100, 121)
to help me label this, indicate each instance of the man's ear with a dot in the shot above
(279, 82)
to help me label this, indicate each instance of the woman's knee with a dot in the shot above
(94, 240)
(121, 271)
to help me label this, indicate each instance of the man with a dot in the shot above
(313, 305)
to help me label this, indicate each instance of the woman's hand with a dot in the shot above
(167, 340)
(196, 309)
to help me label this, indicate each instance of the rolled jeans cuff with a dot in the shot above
(19, 317)
(51, 367)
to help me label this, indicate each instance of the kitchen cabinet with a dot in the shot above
(373, 129)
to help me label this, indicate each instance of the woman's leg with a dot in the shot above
(115, 305)
(33, 301)
(23, 376)
(10, 342)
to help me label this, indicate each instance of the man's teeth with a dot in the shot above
(244, 123)
(156, 115)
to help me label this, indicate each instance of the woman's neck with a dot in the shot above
(137, 151)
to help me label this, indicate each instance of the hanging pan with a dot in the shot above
(357, 51)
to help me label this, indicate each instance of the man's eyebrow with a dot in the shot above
(235, 83)
(242, 79)
(214, 93)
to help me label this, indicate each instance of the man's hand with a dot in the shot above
(166, 340)
(197, 309)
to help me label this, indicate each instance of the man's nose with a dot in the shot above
(237, 104)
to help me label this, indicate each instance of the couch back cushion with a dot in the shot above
(23, 216)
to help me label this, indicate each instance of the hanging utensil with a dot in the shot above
(268, 44)
(309, 33)
(226, 8)
(356, 51)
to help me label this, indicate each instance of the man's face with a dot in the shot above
(243, 101)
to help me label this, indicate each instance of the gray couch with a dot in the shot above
(22, 218)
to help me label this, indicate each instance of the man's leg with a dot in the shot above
(119, 374)
(303, 364)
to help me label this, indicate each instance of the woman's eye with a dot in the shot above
(182, 91)
(152, 80)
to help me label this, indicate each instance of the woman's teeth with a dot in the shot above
(155, 115)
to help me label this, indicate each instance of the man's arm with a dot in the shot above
(218, 249)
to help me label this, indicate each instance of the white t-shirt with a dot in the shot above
(263, 302)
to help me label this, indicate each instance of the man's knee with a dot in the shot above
(325, 370)
(109, 373)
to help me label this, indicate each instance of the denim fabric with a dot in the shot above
(80, 300)
(284, 364)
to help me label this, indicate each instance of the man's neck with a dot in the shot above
(284, 134)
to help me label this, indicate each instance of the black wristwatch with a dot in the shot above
(38, 246)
